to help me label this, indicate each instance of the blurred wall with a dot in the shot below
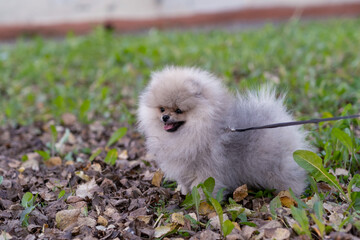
(58, 17)
(19, 12)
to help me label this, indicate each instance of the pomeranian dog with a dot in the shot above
(184, 114)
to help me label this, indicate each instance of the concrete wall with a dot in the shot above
(47, 12)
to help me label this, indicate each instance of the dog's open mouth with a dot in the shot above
(172, 126)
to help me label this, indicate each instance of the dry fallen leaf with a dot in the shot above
(178, 218)
(4, 235)
(208, 234)
(53, 161)
(236, 226)
(215, 222)
(32, 161)
(124, 155)
(86, 221)
(286, 199)
(341, 171)
(87, 189)
(68, 163)
(323, 187)
(156, 181)
(68, 119)
(193, 216)
(277, 233)
(96, 167)
(65, 218)
(205, 208)
(144, 218)
(240, 193)
(247, 231)
(82, 175)
(290, 221)
(148, 176)
(102, 221)
(271, 224)
(162, 230)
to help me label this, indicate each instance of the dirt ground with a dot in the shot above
(102, 201)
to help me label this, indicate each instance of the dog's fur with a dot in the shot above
(202, 148)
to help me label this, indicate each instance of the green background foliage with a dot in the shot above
(99, 76)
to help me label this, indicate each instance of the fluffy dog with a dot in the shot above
(183, 114)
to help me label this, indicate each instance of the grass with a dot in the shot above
(99, 76)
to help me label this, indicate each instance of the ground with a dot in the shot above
(73, 166)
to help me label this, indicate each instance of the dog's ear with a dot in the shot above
(196, 88)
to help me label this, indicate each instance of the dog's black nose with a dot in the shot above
(165, 118)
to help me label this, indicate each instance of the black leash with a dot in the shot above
(286, 124)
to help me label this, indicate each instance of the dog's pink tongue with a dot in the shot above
(168, 126)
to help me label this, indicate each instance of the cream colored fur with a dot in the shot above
(201, 147)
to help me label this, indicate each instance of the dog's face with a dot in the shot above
(174, 108)
(172, 105)
(172, 118)
(180, 101)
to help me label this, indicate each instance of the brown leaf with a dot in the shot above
(271, 224)
(138, 212)
(53, 161)
(73, 199)
(162, 230)
(124, 155)
(193, 216)
(208, 234)
(240, 193)
(156, 181)
(4, 235)
(68, 119)
(86, 221)
(144, 218)
(148, 176)
(286, 199)
(247, 231)
(205, 208)
(178, 218)
(82, 175)
(96, 167)
(215, 222)
(341, 172)
(32, 161)
(323, 187)
(66, 218)
(277, 233)
(87, 189)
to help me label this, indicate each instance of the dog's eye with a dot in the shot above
(162, 109)
(178, 111)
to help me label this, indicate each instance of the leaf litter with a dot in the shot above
(79, 196)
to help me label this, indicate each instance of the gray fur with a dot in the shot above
(201, 148)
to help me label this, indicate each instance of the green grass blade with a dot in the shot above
(343, 138)
(301, 217)
(95, 154)
(209, 184)
(188, 202)
(228, 226)
(274, 204)
(111, 157)
(26, 200)
(312, 163)
(43, 154)
(218, 210)
(196, 199)
(116, 136)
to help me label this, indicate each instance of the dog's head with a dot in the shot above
(180, 98)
